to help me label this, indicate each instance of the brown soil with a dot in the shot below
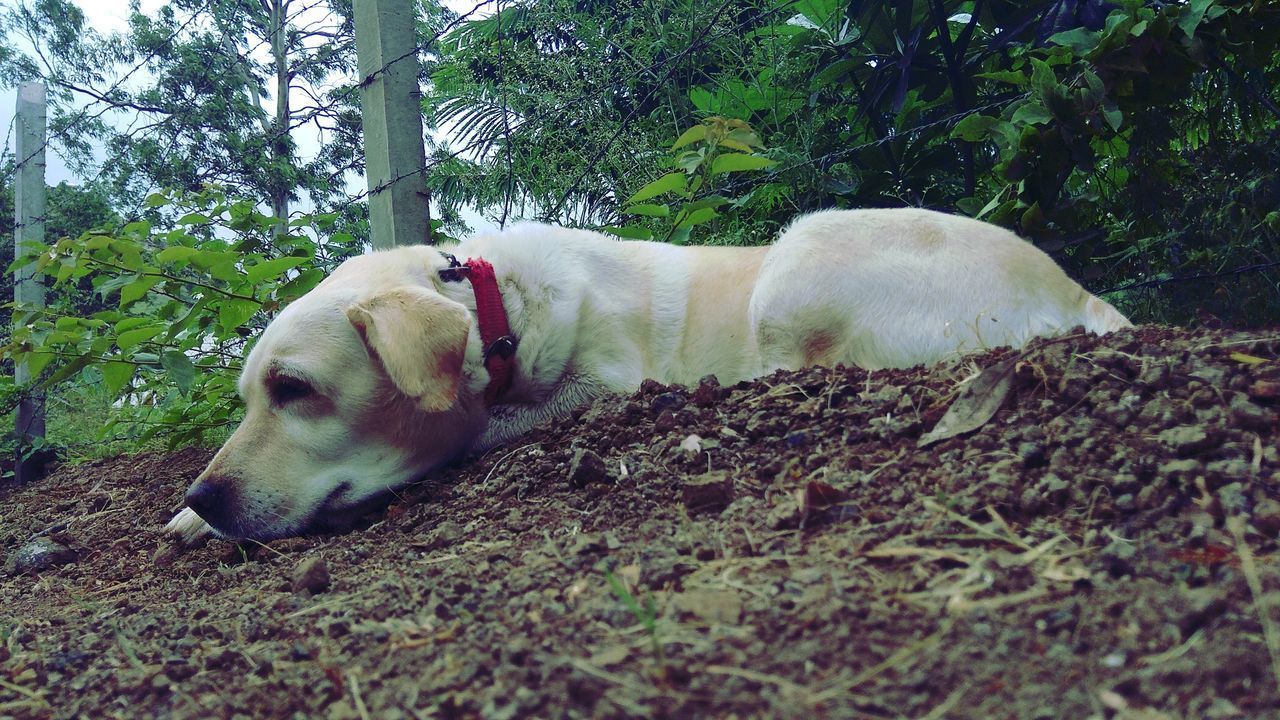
(1096, 550)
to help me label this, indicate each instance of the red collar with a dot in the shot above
(491, 317)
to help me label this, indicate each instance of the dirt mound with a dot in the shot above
(1100, 547)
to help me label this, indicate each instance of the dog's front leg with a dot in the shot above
(508, 422)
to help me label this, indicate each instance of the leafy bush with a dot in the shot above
(708, 153)
(187, 303)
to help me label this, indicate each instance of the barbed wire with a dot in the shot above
(1156, 282)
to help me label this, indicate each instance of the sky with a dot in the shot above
(108, 16)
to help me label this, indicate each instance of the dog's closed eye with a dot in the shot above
(284, 389)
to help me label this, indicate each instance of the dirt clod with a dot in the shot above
(586, 468)
(310, 576)
(708, 492)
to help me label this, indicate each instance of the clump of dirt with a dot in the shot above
(1103, 547)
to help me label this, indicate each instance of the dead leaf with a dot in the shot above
(1247, 359)
(976, 404)
(820, 496)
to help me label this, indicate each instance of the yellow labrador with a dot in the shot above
(379, 375)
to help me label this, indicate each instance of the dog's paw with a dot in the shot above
(187, 527)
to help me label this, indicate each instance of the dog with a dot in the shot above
(405, 360)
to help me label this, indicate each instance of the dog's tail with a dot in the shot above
(1101, 318)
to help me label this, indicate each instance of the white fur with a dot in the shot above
(876, 288)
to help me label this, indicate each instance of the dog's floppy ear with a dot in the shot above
(419, 338)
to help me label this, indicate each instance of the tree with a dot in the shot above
(213, 90)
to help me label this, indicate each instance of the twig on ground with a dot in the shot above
(1247, 566)
(355, 695)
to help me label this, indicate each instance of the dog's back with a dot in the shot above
(901, 287)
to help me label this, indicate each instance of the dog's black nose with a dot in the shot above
(209, 500)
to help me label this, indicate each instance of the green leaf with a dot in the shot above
(1032, 113)
(648, 210)
(1193, 15)
(138, 288)
(115, 375)
(194, 218)
(155, 200)
(692, 135)
(1080, 40)
(1043, 78)
(1006, 76)
(1112, 115)
(710, 201)
(179, 367)
(301, 285)
(235, 311)
(131, 338)
(974, 128)
(697, 217)
(630, 232)
(37, 361)
(271, 268)
(737, 162)
(671, 182)
(176, 253)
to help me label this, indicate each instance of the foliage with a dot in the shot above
(211, 84)
(1077, 124)
(708, 152)
(186, 305)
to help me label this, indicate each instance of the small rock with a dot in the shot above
(1179, 469)
(1193, 608)
(786, 515)
(1266, 516)
(41, 554)
(586, 467)
(1249, 415)
(164, 555)
(311, 576)
(1232, 499)
(710, 606)
(667, 401)
(708, 492)
(1268, 389)
(665, 422)
(1117, 558)
(587, 544)
(707, 393)
(1187, 439)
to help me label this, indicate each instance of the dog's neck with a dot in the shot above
(486, 302)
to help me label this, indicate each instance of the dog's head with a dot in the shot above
(354, 389)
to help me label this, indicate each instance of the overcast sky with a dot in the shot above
(108, 16)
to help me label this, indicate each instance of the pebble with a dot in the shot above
(710, 606)
(708, 492)
(586, 468)
(311, 576)
(1266, 517)
(41, 554)
(1249, 415)
(667, 401)
(1187, 439)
